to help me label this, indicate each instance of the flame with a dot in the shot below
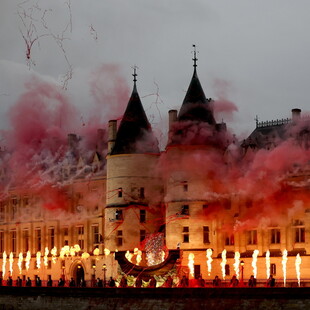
(28, 258)
(96, 252)
(254, 262)
(107, 251)
(163, 254)
(268, 264)
(209, 260)
(223, 264)
(284, 261)
(135, 251)
(4, 263)
(297, 265)
(20, 262)
(54, 254)
(85, 255)
(129, 256)
(236, 264)
(11, 260)
(139, 257)
(45, 259)
(38, 260)
(191, 257)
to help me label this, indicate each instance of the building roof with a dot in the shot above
(135, 134)
(195, 106)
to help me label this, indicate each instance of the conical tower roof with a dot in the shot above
(135, 134)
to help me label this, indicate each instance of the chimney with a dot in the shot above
(172, 117)
(111, 134)
(295, 115)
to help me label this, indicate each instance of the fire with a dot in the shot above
(54, 254)
(85, 255)
(139, 257)
(20, 262)
(96, 253)
(284, 261)
(38, 260)
(45, 259)
(11, 260)
(223, 264)
(129, 256)
(28, 258)
(209, 260)
(297, 265)
(254, 262)
(268, 264)
(236, 264)
(106, 252)
(4, 263)
(191, 257)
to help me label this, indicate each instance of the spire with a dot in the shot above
(134, 134)
(195, 106)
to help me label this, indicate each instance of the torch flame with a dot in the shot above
(85, 255)
(54, 253)
(139, 257)
(191, 257)
(236, 264)
(96, 253)
(4, 263)
(297, 265)
(107, 251)
(223, 264)
(268, 264)
(28, 258)
(284, 261)
(45, 259)
(209, 260)
(254, 262)
(38, 260)
(11, 260)
(129, 256)
(20, 262)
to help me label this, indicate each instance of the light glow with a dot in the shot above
(254, 262)
(209, 260)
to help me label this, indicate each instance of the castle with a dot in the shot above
(222, 206)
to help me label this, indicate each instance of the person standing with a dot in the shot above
(271, 281)
(252, 282)
(216, 281)
(111, 282)
(28, 282)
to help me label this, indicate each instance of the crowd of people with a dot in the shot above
(151, 282)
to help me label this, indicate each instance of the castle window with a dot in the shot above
(80, 236)
(185, 210)
(142, 192)
(119, 239)
(119, 215)
(51, 237)
(300, 232)
(142, 235)
(275, 236)
(1, 241)
(185, 234)
(120, 192)
(229, 239)
(95, 235)
(227, 270)
(37, 238)
(13, 240)
(185, 186)
(206, 234)
(26, 240)
(252, 237)
(142, 216)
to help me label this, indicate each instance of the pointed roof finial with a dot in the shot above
(195, 58)
(135, 73)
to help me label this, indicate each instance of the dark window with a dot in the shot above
(95, 233)
(300, 234)
(185, 210)
(119, 215)
(142, 216)
(37, 235)
(142, 192)
(197, 271)
(119, 240)
(275, 236)
(227, 270)
(206, 234)
(229, 240)
(142, 235)
(185, 186)
(185, 234)
(26, 239)
(120, 192)
(252, 237)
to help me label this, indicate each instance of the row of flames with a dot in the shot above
(237, 265)
(64, 252)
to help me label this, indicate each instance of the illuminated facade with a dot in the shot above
(186, 197)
